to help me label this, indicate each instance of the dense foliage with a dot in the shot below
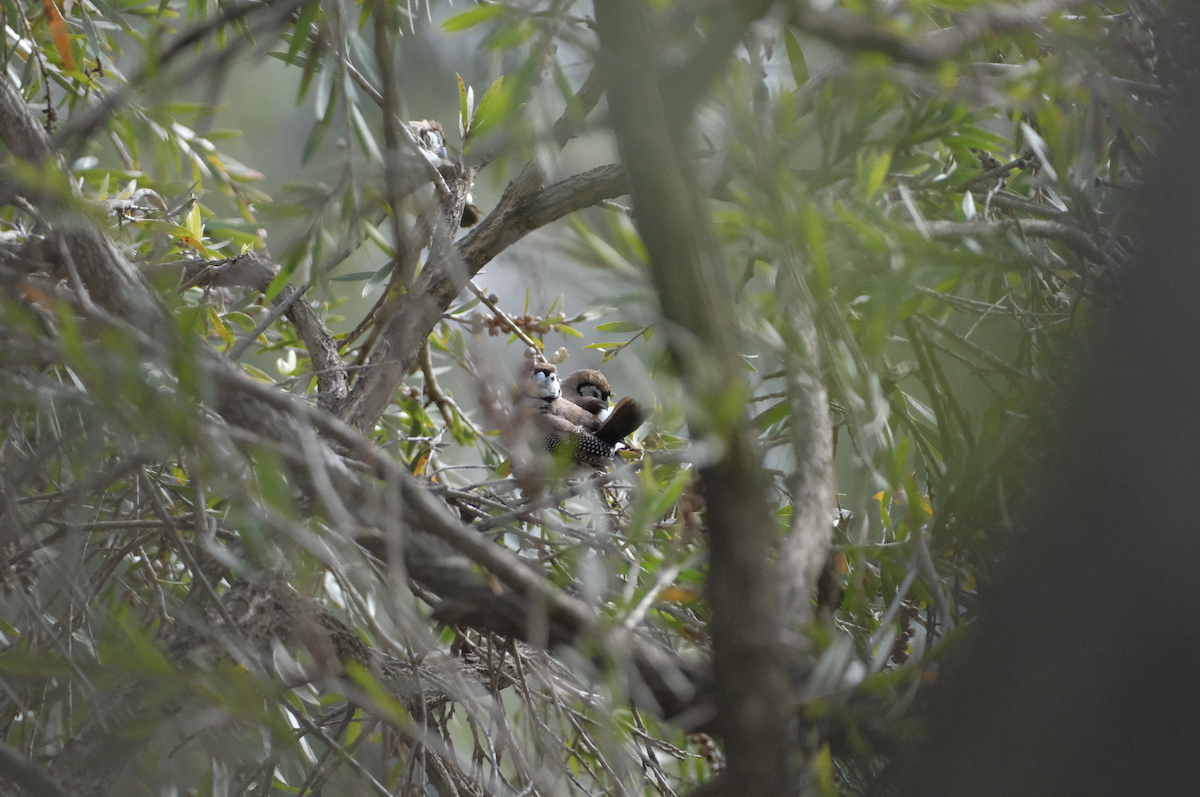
(329, 572)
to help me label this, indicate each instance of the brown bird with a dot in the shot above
(432, 138)
(588, 390)
(578, 418)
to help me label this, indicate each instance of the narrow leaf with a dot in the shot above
(799, 68)
(380, 277)
(620, 326)
(494, 107)
(1039, 146)
(463, 110)
(968, 205)
(472, 17)
(60, 34)
(363, 132)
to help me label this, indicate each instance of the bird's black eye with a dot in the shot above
(591, 391)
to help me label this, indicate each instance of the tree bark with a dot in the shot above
(671, 216)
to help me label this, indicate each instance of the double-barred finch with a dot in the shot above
(577, 417)
(432, 138)
(588, 390)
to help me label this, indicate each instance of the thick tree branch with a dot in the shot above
(441, 281)
(853, 32)
(1072, 236)
(691, 283)
(26, 774)
(515, 218)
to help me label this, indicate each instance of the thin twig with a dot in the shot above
(240, 347)
(431, 170)
(512, 325)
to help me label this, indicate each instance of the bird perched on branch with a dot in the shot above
(577, 417)
(588, 390)
(432, 138)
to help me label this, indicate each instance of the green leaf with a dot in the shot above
(375, 235)
(799, 68)
(877, 171)
(317, 136)
(508, 35)
(364, 134)
(357, 276)
(471, 18)
(620, 326)
(325, 95)
(774, 415)
(671, 492)
(195, 225)
(308, 15)
(277, 284)
(166, 227)
(378, 279)
(464, 109)
(815, 233)
(972, 136)
(823, 765)
(494, 107)
(238, 237)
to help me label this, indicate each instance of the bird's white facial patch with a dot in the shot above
(547, 382)
(591, 391)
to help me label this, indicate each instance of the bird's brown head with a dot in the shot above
(543, 382)
(586, 383)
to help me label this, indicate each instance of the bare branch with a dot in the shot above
(813, 487)
(1073, 237)
(26, 774)
(853, 32)
(252, 270)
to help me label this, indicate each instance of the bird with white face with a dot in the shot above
(574, 413)
(588, 389)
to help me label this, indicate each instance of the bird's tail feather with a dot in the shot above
(623, 421)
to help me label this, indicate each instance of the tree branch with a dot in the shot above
(653, 129)
(1073, 237)
(441, 281)
(812, 485)
(26, 774)
(853, 32)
